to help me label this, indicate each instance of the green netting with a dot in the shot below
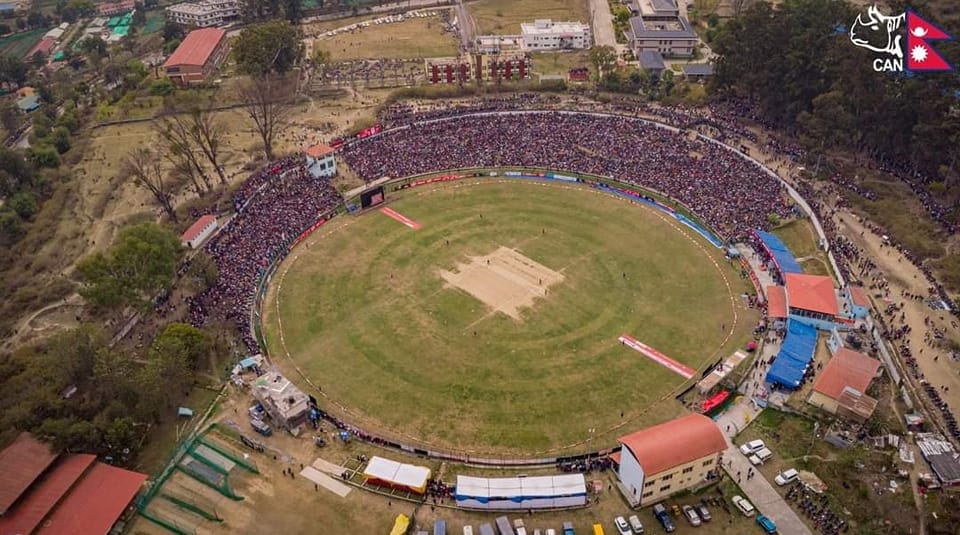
(121, 30)
(185, 503)
(206, 474)
(113, 21)
(224, 443)
(173, 517)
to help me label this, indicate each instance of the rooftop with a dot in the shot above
(698, 69)
(811, 292)
(859, 296)
(846, 369)
(676, 28)
(318, 151)
(95, 503)
(21, 463)
(45, 494)
(197, 47)
(651, 59)
(776, 302)
(548, 26)
(281, 393)
(670, 444)
(196, 228)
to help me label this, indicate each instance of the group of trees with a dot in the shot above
(797, 65)
(118, 392)
(262, 10)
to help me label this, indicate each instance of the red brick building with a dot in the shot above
(199, 55)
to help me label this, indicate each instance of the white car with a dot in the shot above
(622, 527)
(787, 477)
(691, 515)
(745, 507)
(752, 447)
(635, 524)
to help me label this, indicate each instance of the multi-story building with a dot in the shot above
(199, 55)
(204, 13)
(658, 27)
(544, 34)
(670, 457)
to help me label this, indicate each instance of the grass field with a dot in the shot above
(414, 38)
(559, 62)
(367, 315)
(801, 238)
(505, 16)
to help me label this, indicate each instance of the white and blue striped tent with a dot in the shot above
(542, 492)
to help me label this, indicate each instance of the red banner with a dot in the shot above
(441, 178)
(307, 233)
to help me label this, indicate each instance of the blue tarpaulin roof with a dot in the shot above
(786, 263)
(798, 348)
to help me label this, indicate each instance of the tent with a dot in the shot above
(400, 525)
(795, 355)
(781, 254)
(387, 473)
(541, 492)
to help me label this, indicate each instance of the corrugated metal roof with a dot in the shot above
(776, 302)
(671, 444)
(21, 463)
(196, 228)
(846, 368)
(811, 292)
(197, 47)
(45, 494)
(95, 503)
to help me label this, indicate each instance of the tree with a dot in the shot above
(44, 156)
(93, 46)
(24, 205)
(292, 10)
(176, 132)
(13, 70)
(603, 58)
(186, 343)
(268, 103)
(141, 263)
(10, 118)
(197, 128)
(11, 227)
(271, 47)
(172, 32)
(60, 137)
(144, 169)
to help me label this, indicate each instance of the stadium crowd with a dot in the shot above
(288, 201)
(731, 194)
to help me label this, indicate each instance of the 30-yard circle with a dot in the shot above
(493, 327)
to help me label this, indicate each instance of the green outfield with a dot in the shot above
(493, 328)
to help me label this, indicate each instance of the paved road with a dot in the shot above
(467, 26)
(603, 33)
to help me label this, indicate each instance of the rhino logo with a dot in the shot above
(879, 33)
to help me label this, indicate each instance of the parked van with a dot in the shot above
(745, 507)
(504, 527)
(440, 527)
(467, 530)
(761, 456)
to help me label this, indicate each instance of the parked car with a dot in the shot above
(622, 527)
(568, 528)
(551, 531)
(767, 524)
(786, 477)
(519, 527)
(704, 512)
(664, 517)
(761, 456)
(752, 447)
(691, 515)
(745, 507)
(635, 524)
(261, 427)
(467, 530)
(486, 529)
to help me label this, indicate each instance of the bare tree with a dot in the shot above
(181, 169)
(143, 167)
(176, 131)
(208, 133)
(268, 102)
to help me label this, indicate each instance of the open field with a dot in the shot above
(505, 16)
(413, 38)
(368, 316)
(559, 62)
(801, 238)
(17, 45)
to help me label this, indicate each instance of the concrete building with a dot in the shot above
(198, 232)
(812, 300)
(668, 458)
(286, 404)
(205, 13)
(841, 388)
(857, 301)
(544, 34)
(107, 9)
(658, 27)
(199, 55)
(320, 161)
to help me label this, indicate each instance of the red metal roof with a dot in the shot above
(196, 228)
(44, 495)
(859, 296)
(811, 292)
(45, 45)
(319, 150)
(95, 503)
(197, 47)
(776, 302)
(671, 444)
(846, 368)
(21, 463)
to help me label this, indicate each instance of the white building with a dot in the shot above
(320, 161)
(544, 34)
(204, 13)
(199, 232)
(658, 27)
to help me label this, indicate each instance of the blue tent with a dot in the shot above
(795, 356)
(780, 253)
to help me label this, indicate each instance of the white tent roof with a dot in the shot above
(407, 475)
(512, 487)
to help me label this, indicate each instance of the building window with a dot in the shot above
(667, 477)
(665, 488)
(648, 494)
(708, 462)
(688, 469)
(649, 483)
